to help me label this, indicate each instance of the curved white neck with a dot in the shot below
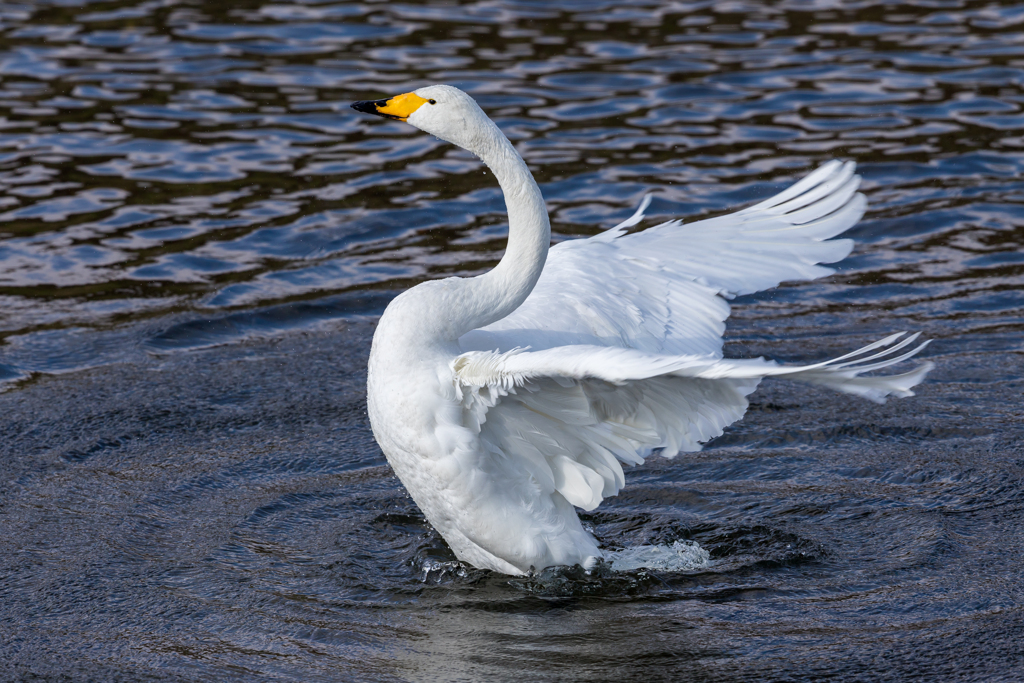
(495, 294)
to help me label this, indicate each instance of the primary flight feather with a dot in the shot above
(505, 401)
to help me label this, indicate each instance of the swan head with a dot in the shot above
(441, 110)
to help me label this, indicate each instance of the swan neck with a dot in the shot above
(499, 292)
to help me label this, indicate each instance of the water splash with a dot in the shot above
(436, 571)
(681, 556)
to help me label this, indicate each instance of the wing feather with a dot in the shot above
(571, 415)
(664, 290)
(625, 339)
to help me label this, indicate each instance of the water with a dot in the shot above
(196, 235)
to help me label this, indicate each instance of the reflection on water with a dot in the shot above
(179, 175)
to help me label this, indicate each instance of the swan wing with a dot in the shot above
(570, 416)
(664, 290)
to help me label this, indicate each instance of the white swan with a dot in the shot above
(502, 401)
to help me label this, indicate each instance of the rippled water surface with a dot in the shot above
(197, 233)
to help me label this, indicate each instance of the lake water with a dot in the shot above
(197, 234)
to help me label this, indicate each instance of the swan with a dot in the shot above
(505, 401)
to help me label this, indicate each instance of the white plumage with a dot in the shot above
(504, 400)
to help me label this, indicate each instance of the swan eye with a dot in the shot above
(432, 101)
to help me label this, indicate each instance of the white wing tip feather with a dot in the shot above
(827, 198)
(637, 216)
(845, 374)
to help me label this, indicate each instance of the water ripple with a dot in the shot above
(179, 179)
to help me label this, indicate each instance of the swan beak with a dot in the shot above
(399, 107)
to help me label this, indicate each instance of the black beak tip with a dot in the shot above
(368, 107)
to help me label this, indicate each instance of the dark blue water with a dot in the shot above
(197, 234)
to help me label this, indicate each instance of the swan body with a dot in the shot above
(505, 401)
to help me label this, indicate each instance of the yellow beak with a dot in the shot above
(399, 107)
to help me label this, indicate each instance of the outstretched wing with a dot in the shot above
(569, 416)
(626, 339)
(661, 290)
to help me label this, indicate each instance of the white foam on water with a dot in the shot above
(681, 556)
